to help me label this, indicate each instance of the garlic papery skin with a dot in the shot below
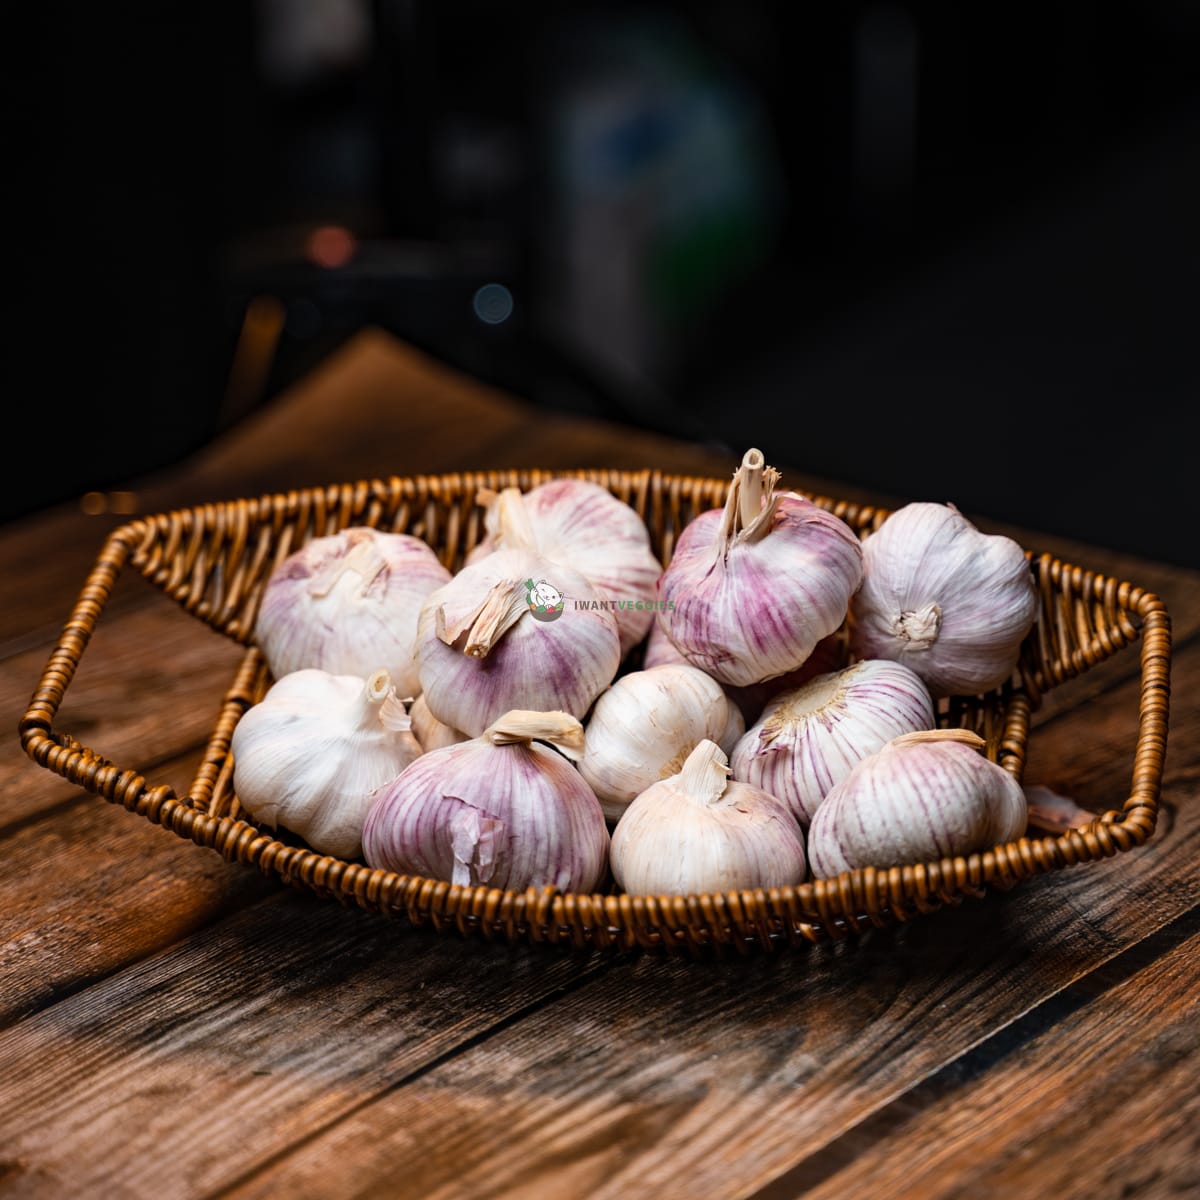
(751, 589)
(348, 603)
(922, 797)
(584, 525)
(811, 737)
(429, 731)
(310, 753)
(481, 651)
(701, 832)
(942, 597)
(501, 810)
(643, 727)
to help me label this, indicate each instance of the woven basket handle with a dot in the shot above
(57, 751)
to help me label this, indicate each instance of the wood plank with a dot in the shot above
(1068, 1110)
(148, 687)
(415, 1056)
(287, 1015)
(92, 888)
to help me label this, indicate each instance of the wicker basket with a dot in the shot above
(214, 561)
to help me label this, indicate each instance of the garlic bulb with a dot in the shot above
(752, 589)
(348, 603)
(309, 754)
(500, 809)
(585, 526)
(487, 642)
(944, 598)
(923, 796)
(644, 726)
(700, 832)
(428, 730)
(809, 738)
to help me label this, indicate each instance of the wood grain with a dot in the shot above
(103, 888)
(1085, 1107)
(242, 1040)
(696, 1079)
(148, 687)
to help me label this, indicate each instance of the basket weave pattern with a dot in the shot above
(214, 561)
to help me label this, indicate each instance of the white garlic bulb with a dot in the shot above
(583, 525)
(487, 643)
(502, 810)
(751, 589)
(348, 603)
(309, 754)
(428, 730)
(949, 601)
(923, 796)
(701, 832)
(809, 738)
(643, 727)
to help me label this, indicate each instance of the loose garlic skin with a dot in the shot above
(481, 652)
(810, 738)
(429, 731)
(922, 797)
(501, 810)
(643, 727)
(700, 832)
(311, 752)
(585, 526)
(348, 603)
(945, 599)
(752, 589)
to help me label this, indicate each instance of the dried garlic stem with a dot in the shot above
(523, 725)
(705, 774)
(513, 526)
(750, 492)
(487, 624)
(750, 502)
(380, 702)
(364, 559)
(966, 736)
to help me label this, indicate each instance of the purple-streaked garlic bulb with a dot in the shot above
(809, 738)
(923, 796)
(311, 752)
(502, 810)
(701, 832)
(348, 603)
(643, 727)
(584, 525)
(944, 598)
(752, 589)
(491, 640)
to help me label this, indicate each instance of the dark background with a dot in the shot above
(951, 254)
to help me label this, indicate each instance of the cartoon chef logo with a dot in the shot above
(545, 601)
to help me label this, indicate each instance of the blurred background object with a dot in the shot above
(945, 253)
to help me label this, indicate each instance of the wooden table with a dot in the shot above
(174, 1025)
